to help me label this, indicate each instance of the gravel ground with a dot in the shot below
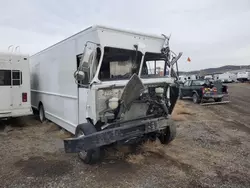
(212, 149)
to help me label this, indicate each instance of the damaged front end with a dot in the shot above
(132, 111)
(135, 111)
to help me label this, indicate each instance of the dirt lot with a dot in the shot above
(212, 149)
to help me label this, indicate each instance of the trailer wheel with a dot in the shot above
(218, 99)
(196, 98)
(167, 135)
(41, 113)
(91, 156)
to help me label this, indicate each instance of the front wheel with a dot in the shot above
(167, 135)
(41, 112)
(93, 155)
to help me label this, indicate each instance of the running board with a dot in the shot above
(213, 103)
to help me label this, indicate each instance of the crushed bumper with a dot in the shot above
(124, 131)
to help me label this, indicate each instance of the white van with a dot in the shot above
(227, 77)
(243, 76)
(14, 85)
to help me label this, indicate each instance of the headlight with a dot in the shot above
(113, 103)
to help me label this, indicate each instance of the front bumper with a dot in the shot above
(16, 113)
(126, 130)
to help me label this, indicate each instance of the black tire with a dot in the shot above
(90, 156)
(41, 113)
(218, 99)
(168, 134)
(35, 111)
(196, 98)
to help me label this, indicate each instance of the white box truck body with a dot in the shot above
(52, 81)
(100, 83)
(14, 85)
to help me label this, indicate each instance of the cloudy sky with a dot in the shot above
(212, 32)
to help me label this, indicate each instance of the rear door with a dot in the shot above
(16, 90)
(5, 91)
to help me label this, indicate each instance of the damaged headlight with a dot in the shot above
(113, 103)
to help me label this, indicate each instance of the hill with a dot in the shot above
(218, 69)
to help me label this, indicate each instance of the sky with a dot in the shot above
(212, 33)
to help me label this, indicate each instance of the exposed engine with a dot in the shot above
(137, 101)
(157, 100)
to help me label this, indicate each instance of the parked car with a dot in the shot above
(201, 90)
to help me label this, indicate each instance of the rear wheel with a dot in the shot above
(196, 98)
(41, 113)
(168, 134)
(90, 156)
(218, 99)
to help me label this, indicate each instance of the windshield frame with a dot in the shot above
(156, 57)
(139, 54)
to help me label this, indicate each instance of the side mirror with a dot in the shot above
(79, 75)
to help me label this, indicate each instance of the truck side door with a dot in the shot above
(85, 95)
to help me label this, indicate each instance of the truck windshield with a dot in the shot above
(154, 65)
(119, 63)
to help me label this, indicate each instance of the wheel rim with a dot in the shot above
(41, 114)
(82, 154)
(194, 98)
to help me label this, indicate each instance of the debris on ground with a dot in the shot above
(135, 158)
(181, 111)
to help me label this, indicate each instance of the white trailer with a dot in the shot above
(243, 76)
(193, 77)
(86, 83)
(14, 85)
(182, 78)
(208, 77)
(227, 77)
(216, 77)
